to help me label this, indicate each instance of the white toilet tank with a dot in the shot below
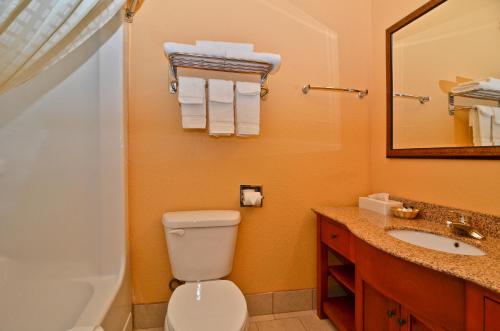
(201, 243)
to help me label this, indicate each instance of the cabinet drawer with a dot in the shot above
(336, 237)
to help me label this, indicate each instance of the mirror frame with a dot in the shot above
(479, 152)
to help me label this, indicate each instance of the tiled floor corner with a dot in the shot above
(296, 321)
(291, 301)
(149, 315)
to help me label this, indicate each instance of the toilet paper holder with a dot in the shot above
(256, 188)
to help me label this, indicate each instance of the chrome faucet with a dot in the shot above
(464, 229)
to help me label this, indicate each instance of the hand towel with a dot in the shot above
(273, 59)
(473, 123)
(247, 108)
(489, 83)
(484, 118)
(495, 126)
(192, 101)
(220, 107)
(224, 45)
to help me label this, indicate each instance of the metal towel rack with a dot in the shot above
(420, 98)
(361, 93)
(483, 94)
(217, 63)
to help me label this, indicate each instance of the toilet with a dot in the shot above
(201, 248)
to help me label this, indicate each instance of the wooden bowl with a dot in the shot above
(405, 214)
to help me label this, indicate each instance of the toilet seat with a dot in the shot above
(216, 305)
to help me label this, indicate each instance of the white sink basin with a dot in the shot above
(435, 242)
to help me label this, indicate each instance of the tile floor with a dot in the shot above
(298, 321)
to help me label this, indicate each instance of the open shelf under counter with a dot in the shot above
(344, 274)
(340, 310)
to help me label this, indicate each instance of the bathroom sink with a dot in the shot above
(435, 242)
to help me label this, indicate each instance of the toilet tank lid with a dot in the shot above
(200, 218)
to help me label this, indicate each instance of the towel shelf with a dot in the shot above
(217, 63)
(361, 93)
(420, 98)
(483, 94)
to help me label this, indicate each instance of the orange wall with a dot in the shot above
(314, 149)
(467, 184)
(319, 149)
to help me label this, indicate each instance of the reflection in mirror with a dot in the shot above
(446, 77)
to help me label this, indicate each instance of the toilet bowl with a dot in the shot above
(201, 248)
(216, 305)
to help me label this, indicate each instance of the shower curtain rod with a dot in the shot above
(130, 11)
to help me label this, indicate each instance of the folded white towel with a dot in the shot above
(223, 49)
(489, 83)
(192, 101)
(247, 108)
(220, 107)
(171, 48)
(484, 119)
(273, 59)
(495, 126)
(224, 45)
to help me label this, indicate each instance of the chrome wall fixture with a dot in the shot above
(482, 94)
(361, 93)
(420, 98)
(130, 11)
(217, 63)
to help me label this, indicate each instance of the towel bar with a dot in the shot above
(361, 93)
(420, 98)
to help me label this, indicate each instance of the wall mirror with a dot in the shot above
(443, 81)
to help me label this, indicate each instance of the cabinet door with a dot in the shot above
(379, 312)
(410, 322)
(491, 315)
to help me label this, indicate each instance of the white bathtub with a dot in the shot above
(49, 296)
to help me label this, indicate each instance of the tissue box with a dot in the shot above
(378, 206)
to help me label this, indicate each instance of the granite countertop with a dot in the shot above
(371, 228)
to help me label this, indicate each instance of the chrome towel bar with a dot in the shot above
(420, 98)
(361, 93)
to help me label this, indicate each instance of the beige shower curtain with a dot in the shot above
(35, 34)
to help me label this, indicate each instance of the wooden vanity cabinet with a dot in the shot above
(416, 298)
(335, 238)
(381, 313)
(483, 309)
(388, 293)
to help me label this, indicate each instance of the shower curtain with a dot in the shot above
(35, 34)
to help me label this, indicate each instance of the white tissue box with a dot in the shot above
(378, 206)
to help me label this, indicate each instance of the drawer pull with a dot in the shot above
(391, 313)
(333, 236)
(401, 321)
